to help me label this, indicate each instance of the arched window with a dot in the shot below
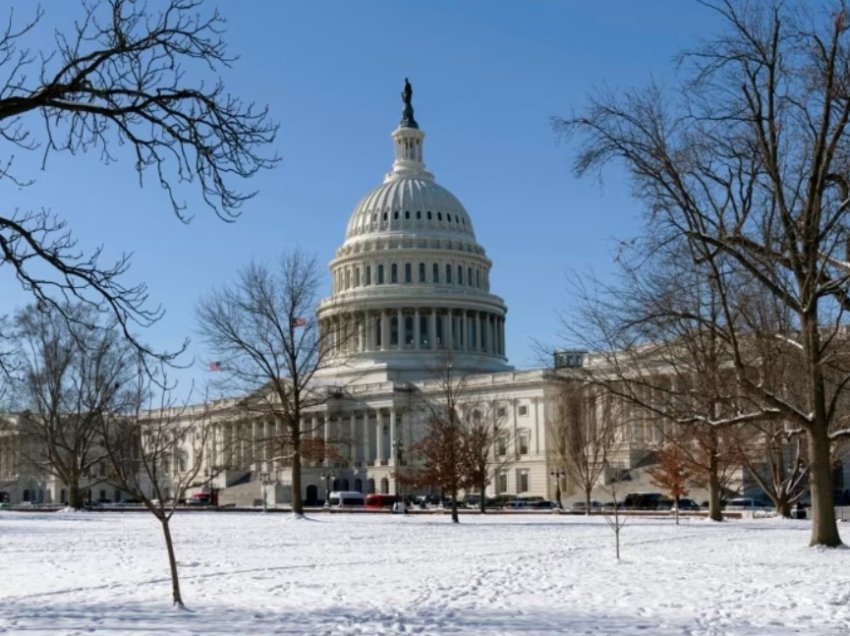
(380, 274)
(395, 215)
(407, 214)
(418, 215)
(429, 216)
(347, 278)
(469, 276)
(408, 330)
(357, 277)
(394, 273)
(368, 274)
(435, 274)
(408, 273)
(385, 216)
(421, 272)
(460, 274)
(478, 278)
(439, 216)
(448, 274)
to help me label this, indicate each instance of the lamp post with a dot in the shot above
(557, 474)
(398, 506)
(264, 480)
(327, 474)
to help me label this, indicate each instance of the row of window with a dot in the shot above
(419, 216)
(394, 274)
(522, 481)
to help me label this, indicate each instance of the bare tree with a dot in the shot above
(262, 330)
(443, 455)
(485, 426)
(155, 451)
(748, 164)
(71, 379)
(582, 433)
(124, 75)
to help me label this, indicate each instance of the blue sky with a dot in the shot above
(487, 78)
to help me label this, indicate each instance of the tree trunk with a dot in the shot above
(455, 518)
(483, 503)
(75, 496)
(783, 507)
(587, 500)
(824, 527)
(714, 511)
(297, 503)
(677, 509)
(172, 563)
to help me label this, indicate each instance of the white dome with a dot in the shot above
(410, 204)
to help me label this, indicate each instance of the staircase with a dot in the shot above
(244, 494)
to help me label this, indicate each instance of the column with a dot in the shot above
(370, 331)
(416, 334)
(327, 436)
(379, 440)
(400, 325)
(385, 330)
(353, 433)
(449, 331)
(392, 437)
(367, 434)
(432, 330)
(491, 328)
(254, 442)
(481, 341)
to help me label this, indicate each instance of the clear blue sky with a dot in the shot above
(487, 77)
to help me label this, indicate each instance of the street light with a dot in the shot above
(398, 506)
(264, 481)
(327, 474)
(558, 474)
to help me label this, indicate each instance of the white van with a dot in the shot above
(346, 499)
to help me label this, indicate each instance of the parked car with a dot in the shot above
(745, 503)
(546, 505)
(203, 499)
(643, 500)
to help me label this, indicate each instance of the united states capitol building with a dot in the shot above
(411, 293)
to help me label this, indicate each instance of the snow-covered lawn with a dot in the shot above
(243, 573)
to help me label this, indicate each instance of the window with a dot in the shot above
(385, 216)
(448, 274)
(429, 216)
(368, 274)
(423, 331)
(522, 443)
(408, 330)
(502, 445)
(523, 410)
(380, 274)
(407, 214)
(435, 274)
(522, 480)
(439, 216)
(394, 330)
(502, 412)
(394, 273)
(460, 275)
(347, 278)
(395, 215)
(478, 278)
(469, 276)
(408, 273)
(418, 215)
(502, 483)
(357, 277)
(421, 272)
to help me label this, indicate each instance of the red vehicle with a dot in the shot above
(379, 502)
(203, 499)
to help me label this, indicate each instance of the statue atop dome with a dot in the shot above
(407, 120)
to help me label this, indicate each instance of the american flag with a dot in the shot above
(299, 322)
(215, 366)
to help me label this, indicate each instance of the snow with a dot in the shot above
(254, 573)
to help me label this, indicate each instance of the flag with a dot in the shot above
(299, 322)
(215, 366)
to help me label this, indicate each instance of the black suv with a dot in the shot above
(643, 500)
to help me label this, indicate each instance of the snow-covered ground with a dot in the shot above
(243, 573)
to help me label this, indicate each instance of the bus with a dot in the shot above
(378, 502)
(346, 499)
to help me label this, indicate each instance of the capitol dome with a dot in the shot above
(410, 282)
